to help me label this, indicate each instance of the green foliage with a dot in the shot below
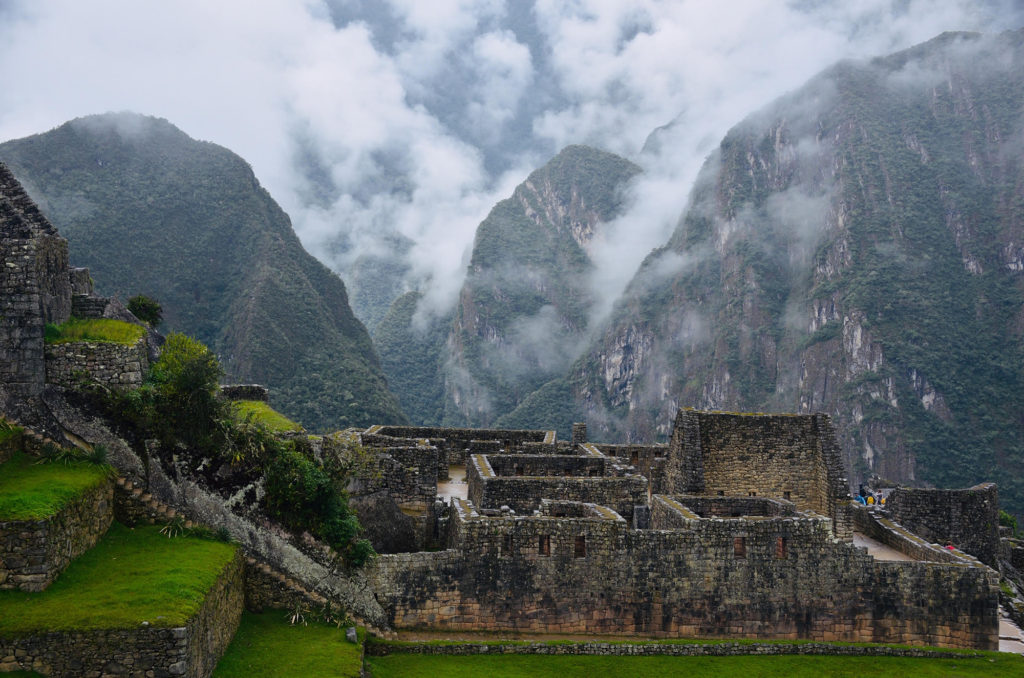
(263, 414)
(10, 434)
(149, 217)
(1007, 520)
(33, 491)
(267, 645)
(146, 309)
(182, 394)
(301, 494)
(156, 580)
(93, 329)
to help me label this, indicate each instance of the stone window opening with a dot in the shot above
(781, 548)
(751, 494)
(544, 545)
(721, 493)
(787, 495)
(739, 547)
(580, 549)
(508, 543)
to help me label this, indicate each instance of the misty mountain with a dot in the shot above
(150, 210)
(857, 248)
(525, 306)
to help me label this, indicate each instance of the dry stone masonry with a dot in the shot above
(742, 528)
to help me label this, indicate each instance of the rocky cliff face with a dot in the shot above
(523, 310)
(150, 210)
(855, 248)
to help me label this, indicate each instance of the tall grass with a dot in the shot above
(94, 329)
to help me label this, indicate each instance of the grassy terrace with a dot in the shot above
(129, 577)
(262, 413)
(266, 645)
(993, 665)
(33, 491)
(94, 329)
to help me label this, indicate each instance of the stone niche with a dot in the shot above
(34, 552)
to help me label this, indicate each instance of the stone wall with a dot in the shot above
(33, 553)
(457, 443)
(378, 648)
(874, 523)
(792, 457)
(649, 460)
(408, 474)
(967, 519)
(523, 494)
(192, 650)
(245, 392)
(88, 305)
(758, 577)
(117, 365)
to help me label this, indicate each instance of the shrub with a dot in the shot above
(146, 309)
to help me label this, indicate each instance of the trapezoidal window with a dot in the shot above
(781, 550)
(544, 545)
(580, 549)
(787, 495)
(739, 547)
(508, 543)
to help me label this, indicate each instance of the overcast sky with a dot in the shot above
(418, 115)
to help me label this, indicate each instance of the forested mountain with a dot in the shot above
(856, 248)
(524, 307)
(150, 210)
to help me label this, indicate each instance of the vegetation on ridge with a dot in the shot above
(179, 405)
(94, 329)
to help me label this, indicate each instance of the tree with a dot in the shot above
(146, 309)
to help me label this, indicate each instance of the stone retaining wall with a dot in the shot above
(755, 577)
(968, 519)
(641, 649)
(111, 364)
(33, 553)
(192, 650)
(245, 392)
(456, 443)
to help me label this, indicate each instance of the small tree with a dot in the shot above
(146, 309)
(185, 380)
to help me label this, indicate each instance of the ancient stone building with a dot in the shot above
(35, 288)
(741, 527)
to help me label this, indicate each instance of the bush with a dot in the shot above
(146, 309)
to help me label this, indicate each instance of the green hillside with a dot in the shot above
(149, 210)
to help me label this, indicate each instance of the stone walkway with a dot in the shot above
(456, 485)
(877, 549)
(1011, 638)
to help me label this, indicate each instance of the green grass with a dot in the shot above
(94, 329)
(262, 413)
(267, 646)
(33, 491)
(992, 665)
(129, 577)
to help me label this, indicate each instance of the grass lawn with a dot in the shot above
(262, 413)
(94, 329)
(267, 646)
(33, 491)
(993, 665)
(130, 576)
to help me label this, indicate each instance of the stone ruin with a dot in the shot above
(741, 527)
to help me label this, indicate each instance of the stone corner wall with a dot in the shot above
(116, 365)
(967, 519)
(192, 650)
(33, 553)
